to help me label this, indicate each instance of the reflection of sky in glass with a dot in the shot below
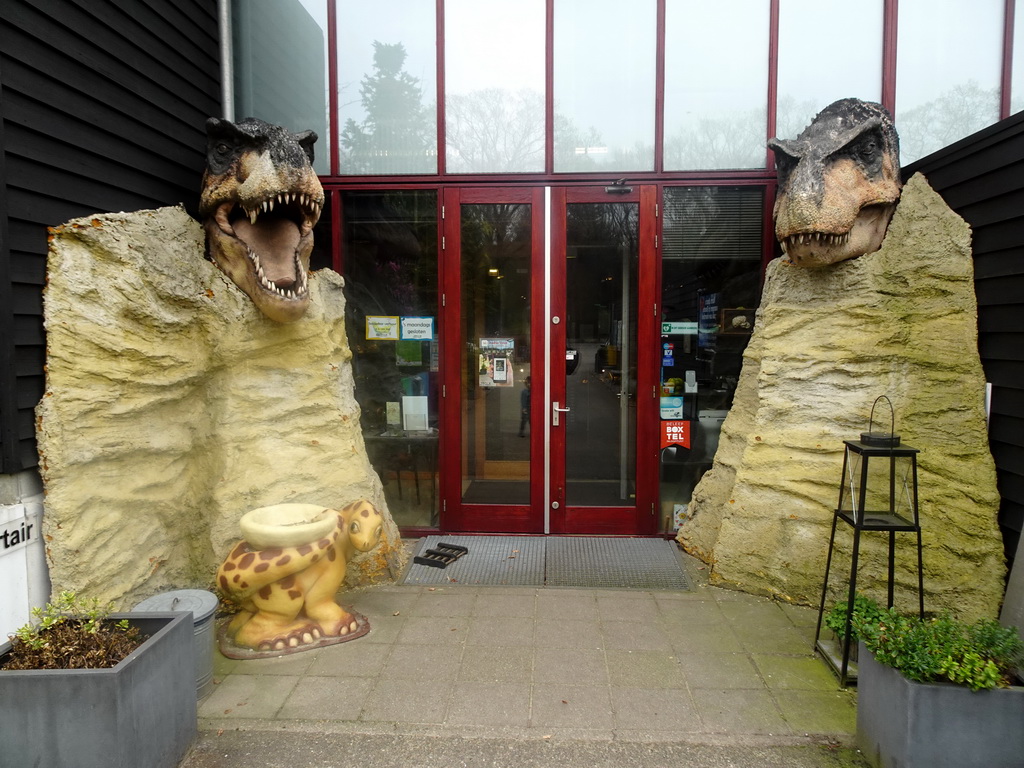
(947, 72)
(716, 84)
(494, 85)
(947, 78)
(604, 62)
(493, 44)
(813, 69)
(1017, 96)
(317, 10)
(409, 22)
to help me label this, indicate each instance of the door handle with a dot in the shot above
(555, 410)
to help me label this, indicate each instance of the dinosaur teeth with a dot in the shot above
(815, 238)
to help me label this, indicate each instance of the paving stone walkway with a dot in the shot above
(711, 666)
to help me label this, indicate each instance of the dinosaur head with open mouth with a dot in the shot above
(259, 203)
(839, 183)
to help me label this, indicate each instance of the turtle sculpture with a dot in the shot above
(286, 573)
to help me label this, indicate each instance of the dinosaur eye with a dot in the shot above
(866, 151)
(219, 156)
(353, 527)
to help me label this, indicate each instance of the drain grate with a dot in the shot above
(445, 554)
(555, 561)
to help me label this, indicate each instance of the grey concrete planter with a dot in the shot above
(904, 724)
(140, 713)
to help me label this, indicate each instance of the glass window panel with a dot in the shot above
(716, 84)
(604, 61)
(494, 86)
(710, 291)
(804, 90)
(495, 261)
(877, 487)
(601, 264)
(387, 94)
(389, 242)
(947, 72)
(280, 63)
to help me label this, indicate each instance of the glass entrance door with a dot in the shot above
(601, 274)
(544, 349)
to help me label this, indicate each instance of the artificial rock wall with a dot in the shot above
(173, 407)
(900, 322)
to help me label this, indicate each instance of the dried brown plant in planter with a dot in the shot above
(72, 634)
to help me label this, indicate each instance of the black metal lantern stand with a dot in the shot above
(878, 492)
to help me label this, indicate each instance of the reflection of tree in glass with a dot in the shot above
(390, 242)
(608, 225)
(728, 141)
(500, 131)
(391, 280)
(575, 150)
(495, 236)
(791, 116)
(959, 112)
(495, 131)
(396, 136)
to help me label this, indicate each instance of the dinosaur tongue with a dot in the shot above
(275, 242)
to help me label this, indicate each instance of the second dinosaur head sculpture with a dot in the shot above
(260, 201)
(839, 183)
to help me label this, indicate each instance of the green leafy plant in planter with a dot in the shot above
(938, 691)
(864, 610)
(81, 687)
(979, 656)
(72, 633)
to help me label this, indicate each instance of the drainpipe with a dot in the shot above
(227, 64)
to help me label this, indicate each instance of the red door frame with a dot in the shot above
(481, 518)
(642, 518)
(484, 518)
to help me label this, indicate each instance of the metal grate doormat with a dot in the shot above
(554, 561)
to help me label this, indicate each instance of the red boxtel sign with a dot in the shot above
(675, 433)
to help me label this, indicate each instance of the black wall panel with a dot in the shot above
(102, 106)
(982, 179)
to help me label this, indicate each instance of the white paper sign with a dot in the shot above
(414, 413)
(381, 328)
(418, 328)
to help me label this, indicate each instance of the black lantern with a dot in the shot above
(877, 492)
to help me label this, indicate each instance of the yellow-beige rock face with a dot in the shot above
(173, 407)
(900, 322)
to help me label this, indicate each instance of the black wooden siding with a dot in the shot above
(982, 179)
(102, 106)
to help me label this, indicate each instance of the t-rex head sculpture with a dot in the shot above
(839, 182)
(259, 203)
